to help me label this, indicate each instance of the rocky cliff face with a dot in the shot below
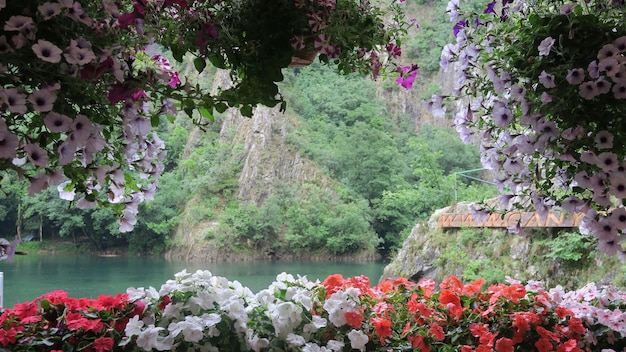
(430, 252)
(268, 162)
(267, 159)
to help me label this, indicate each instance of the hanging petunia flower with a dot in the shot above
(56, 122)
(43, 100)
(8, 144)
(47, 51)
(36, 155)
(49, 10)
(545, 46)
(575, 76)
(15, 100)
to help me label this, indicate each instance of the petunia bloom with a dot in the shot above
(47, 51)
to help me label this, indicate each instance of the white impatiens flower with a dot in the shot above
(295, 340)
(134, 326)
(285, 316)
(358, 339)
(191, 328)
(341, 302)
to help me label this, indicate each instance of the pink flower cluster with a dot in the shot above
(73, 106)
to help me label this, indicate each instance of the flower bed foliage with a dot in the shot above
(202, 312)
(541, 84)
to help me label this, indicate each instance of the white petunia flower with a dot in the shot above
(545, 46)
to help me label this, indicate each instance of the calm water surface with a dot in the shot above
(88, 276)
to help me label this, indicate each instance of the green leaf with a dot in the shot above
(221, 107)
(200, 64)
(217, 61)
(206, 113)
(154, 120)
(246, 110)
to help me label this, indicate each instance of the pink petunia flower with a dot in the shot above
(22, 24)
(619, 91)
(547, 79)
(608, 50)
(82, 128)
(37, 155)
(575, 76)
(604, 140)
(38, 183)
(502, 116)
(15, 100)
(43, 100)
(610, 66)
(49, 10)
(588, 90)
(56, 122)
(608, 161)
(47, 51)
(8, 144)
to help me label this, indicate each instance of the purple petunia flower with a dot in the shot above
(491, 7)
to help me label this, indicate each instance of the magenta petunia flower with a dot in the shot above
(407, 76)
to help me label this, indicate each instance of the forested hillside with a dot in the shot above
(355, 165)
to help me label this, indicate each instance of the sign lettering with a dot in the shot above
(524, 219)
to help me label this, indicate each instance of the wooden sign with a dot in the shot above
(552, 219)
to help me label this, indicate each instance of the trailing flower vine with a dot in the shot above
(83, 82)
(542, 86)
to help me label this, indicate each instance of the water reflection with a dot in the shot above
(88, 276)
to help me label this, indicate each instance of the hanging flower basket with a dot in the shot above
(542, 86)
